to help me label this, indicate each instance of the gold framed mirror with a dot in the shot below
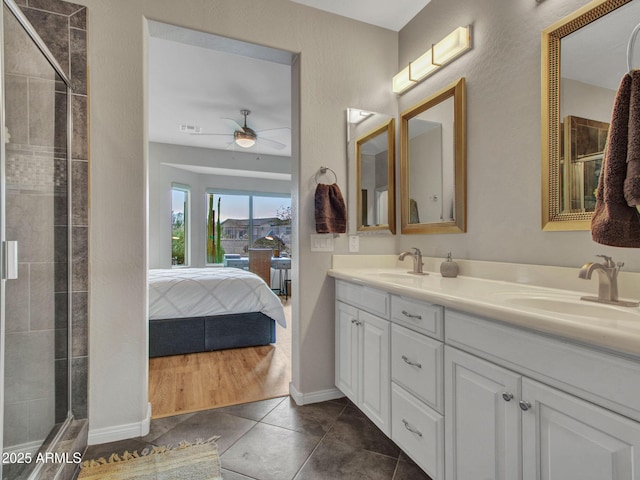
(375, 179)
(433, 163)
(583, 61)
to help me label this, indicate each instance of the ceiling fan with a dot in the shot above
(246, 137)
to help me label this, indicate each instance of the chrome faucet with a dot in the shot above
(607, 281)
(416, 255)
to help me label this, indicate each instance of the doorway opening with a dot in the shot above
(220, 128)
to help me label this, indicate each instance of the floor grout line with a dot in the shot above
(318, 444)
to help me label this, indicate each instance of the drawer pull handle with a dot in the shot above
(507, 396)
(357, 322)
(409, 362)
(410, 428)
(411, 315)
(524, 405)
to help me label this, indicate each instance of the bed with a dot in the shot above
(203, 309)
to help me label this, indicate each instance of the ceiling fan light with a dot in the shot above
(244, 139)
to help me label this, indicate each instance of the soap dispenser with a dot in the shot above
(449, 268)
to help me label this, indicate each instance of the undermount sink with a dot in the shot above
(567, 304)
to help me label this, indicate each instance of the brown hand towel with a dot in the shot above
(331, 212)
(632, 180)
(614, 222)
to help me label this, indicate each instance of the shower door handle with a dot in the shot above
(10, 260)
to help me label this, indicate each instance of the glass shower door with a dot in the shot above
(35, 214)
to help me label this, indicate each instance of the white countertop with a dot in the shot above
(548, 310)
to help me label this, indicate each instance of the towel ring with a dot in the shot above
(323, 171)
(632, 41)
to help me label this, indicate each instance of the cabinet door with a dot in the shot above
(347, 350)
(482, 420)
(568, 438)
(375, 376)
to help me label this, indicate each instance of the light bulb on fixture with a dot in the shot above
(441, 53)
(245, 139)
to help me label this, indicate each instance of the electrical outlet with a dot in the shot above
(354, 243)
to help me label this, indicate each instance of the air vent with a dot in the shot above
(190, 129)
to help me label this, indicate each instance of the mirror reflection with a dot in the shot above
(584, 59)
(372, 145)
(433, 163)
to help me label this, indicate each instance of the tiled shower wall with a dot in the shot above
(63, 27)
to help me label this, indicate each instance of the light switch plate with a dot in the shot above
(354, 243)
(322, 242)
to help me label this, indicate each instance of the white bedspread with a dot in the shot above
(195, 292)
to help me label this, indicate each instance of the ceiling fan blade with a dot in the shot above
(272, 143)
(233, 124)
(274, 132)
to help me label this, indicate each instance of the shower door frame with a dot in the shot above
(31, 32)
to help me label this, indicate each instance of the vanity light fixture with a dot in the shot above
(440, 54)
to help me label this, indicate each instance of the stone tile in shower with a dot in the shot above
(17, 301)
(54, 30)
(80, 326)
(62, 389)
(17, 118)
(42, 306)
(41, 417)
(79, 20)
(80, 144)
(79, 381)
(62, 283)
(16, 424)
(60, 204)
(80, 194)
(62, 309)
(22, 56)
(60, 125)
(78, 61)
(56, 6)
(79, 272)
(42, 105)
(29, 371)
(62, 343)
(35, 236)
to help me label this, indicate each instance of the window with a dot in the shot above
(239, 221)
(179, 225)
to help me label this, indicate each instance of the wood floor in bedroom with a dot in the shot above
(199, 381)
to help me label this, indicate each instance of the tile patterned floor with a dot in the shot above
(277, 440)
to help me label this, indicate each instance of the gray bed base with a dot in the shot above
(178, 336)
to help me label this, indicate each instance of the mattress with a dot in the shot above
(196, 292)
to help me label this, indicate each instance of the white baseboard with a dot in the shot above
(314, 397)
(121, 432)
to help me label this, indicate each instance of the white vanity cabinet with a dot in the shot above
(502, 424)
(362, 350)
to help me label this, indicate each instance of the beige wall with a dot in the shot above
(342, 63)
(503, 135)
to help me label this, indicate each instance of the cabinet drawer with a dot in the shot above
(366, 298)
(422, 317)
(418, 430)
(416, 364)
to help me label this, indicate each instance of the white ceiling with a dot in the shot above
(384, 13)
